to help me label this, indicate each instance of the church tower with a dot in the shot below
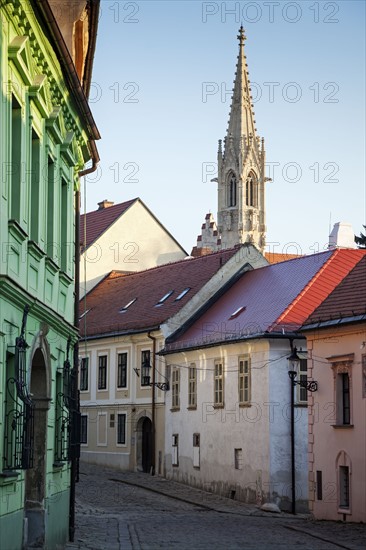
(241, 168)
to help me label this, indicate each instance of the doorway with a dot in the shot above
(35, 477)
(146, 445)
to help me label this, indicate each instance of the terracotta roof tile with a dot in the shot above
(98, 221)
(348, 299)
(276, 257)
(106, 300)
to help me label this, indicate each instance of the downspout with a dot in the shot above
(153, 405)
(292, 437)
(76, 454)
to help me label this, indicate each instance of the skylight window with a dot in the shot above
(183, 293)
(83, 314)
(165, 297)
(237, 312)
(125, 308)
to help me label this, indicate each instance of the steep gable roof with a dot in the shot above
(348, 299)
(141, 292)
(269, 300)
(97, 222)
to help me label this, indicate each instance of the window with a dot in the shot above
(175, 450)
(121, 429)
(84, 429)
(125, 308)
(344, 487)
(84, 374)
(232, 188)
(244, 380)
(122, 370)
(219, 383)
(145, 367)
(342, 373)
(182, 294)
(344, 408)
(196, 450)
(16, 158)
(51, 244)
(175, 389)
(238, 459)
(102, 372)
(319, 485)
(192, 387)
(35, 181)
(64, 225)
(302, 393)
(251, 190)
(165, 297)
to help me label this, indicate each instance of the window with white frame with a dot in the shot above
(219, 383)
(175, 450)
(192, 386)
(175, 389)
(244, 380)
(302, 376)
(102, 372)
(122, 370)
(84, 374)
(121, 428)
(196, 450)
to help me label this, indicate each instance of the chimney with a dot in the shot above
(105, 204)
(342, 236)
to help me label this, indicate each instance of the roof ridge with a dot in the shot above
(186, 259)
(110, 207)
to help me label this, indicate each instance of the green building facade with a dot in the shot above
(46, 138)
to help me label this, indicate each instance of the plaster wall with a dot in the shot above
(136, 241)
(222, 430)
(330, 444)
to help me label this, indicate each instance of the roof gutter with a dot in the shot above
(258, 336)
(113, 334)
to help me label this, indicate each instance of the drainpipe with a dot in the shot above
(292, 437)
(76, 454)
(153, 405)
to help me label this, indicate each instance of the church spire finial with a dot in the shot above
(241, 36)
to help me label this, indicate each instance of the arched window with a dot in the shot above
(232, 189)
(251, 190)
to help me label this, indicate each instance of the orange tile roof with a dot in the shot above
(276, 257)
(340, 263)
(348, 299)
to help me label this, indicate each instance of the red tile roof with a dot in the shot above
(275, 298)
(98, 221)
(114, 292)
(348, 299)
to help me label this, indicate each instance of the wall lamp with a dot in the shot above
(294, 362)
(145, 376)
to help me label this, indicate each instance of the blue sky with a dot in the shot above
(161, 99)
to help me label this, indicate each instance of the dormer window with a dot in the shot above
(125, 308)
(164, 298)
(83, 314)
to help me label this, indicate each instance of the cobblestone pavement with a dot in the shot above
(133, 511)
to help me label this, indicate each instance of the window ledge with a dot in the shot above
(174, 409)
(301, 405)
(58, 465)
(244, 405)
(192, 408)
(346, 426)
(219, 406)
(8, 476)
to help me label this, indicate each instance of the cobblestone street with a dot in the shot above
(125, 510)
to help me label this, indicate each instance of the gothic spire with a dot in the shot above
(241, 120)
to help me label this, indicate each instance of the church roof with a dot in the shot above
(271, 300)
(140, 301)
